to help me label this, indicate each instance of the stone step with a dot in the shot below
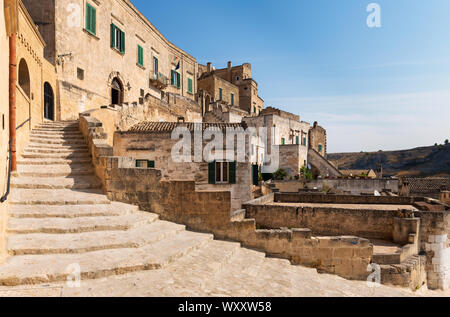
(68, 137)
(54, 170)
(67, 155)
(57, 197)
(79, 225)
(41, 243)
(50, 134)
(56, 150)
(81, 182)
(46, 211)
(55, 161)
(60, 141)
(201, 266)
(47, 146)
(37, 269)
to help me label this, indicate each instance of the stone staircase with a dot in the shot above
(60, 217)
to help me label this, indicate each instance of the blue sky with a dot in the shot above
(372, 88)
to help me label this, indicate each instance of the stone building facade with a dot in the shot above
(241, 78)
(291, 137)
(318, 139)
(107, 52)
(152, 145)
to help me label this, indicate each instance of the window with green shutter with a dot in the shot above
(190, 90)
(297, 140)
(212, 173)
(232, 99)
(145, 164)
(91, 19)
(175, 79)
(220, 93)
(140, 56)
(117, 39)
(304, 141)
(320, 148)
(283, 141)
(232, 169)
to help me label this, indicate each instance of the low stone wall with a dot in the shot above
(356, 186)
(342, 199)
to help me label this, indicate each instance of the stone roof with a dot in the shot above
(164, 127)
(427, 185)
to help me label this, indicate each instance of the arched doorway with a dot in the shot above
(49, 102)
(24, 77)
(116, 92)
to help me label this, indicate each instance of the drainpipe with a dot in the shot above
(12, 98)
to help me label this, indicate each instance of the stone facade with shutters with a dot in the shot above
(81, 43)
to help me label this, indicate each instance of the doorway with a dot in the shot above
(116, 92)
(49, 102)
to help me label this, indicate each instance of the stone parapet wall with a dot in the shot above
(342, 199)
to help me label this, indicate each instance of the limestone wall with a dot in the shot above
(4, 128)
(158, 147)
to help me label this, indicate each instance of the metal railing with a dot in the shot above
(5, 197)
(161, 78)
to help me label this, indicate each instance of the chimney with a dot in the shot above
(229, 65)
(208, 67)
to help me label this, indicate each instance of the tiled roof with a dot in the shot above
(164, 127)
(427, 185)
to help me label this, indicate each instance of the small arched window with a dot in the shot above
(24, 77)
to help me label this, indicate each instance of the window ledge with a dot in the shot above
(117, 51)
(91, 34)
(140, 66)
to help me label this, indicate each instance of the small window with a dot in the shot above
(304, 141)
(297, 140)
(238, 78)
(91, 19)
(117, 39)
(283, 141)
(220, 93)
(222, 173)
(155, 66)
(232, 99)
(190, 86)
(145, 164)
(320, 148)
(140, 56)
(80, 73)
(254, 109)
(176, 79)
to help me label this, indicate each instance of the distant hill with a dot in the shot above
(432, 161)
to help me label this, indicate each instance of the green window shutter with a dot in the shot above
(304, 141)
(255, 175)
(94, 20)
(151, 164)
(113, 35)
(320, 148)
(297, 139)
(140, 57)
(190, 85)
(178, 80)
(172, 77)
(232, 99)
(88, 17)
(220, 93)
(212, 173)
(122, 42)
(232, 168)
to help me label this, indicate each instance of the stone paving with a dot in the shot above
(62, 227)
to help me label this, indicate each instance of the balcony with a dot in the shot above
(159, 81)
